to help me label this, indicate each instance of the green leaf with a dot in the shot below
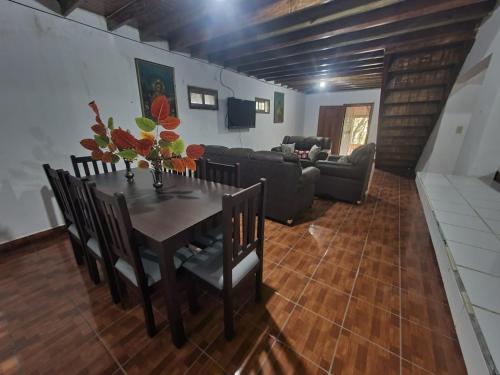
(145, 124)
(115, 159)
(178, 146)
(128, 154)
(101, 140)
(164, 144)
(153, 154)
(111, 125)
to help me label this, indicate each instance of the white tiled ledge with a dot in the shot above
(463, 215)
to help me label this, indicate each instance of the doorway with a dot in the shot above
(347, 126)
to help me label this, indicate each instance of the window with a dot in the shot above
(262, 105)
(200, 98)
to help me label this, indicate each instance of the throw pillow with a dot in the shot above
(343, 159)
(302, 154)
(288, 148)
(314, 152)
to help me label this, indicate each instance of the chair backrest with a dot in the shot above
(243, 216)
(86, 161)
(61, 194)
(227, 174)
(114, 220)
(83, 205)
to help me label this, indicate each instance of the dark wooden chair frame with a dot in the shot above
(65, 204)
(85, 161)
(116, 226)
(227, 174)
(89, 228)
(247, 204)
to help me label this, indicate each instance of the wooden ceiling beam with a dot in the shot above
(322, 69)
(278, 15)
(395, 13)
(438, 35)
(353, 77)
(125, 14)
(380, 32)
(67, 6)
(355, 58)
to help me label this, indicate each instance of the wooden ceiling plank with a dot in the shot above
(280, 15)
(67, 6)
(123, 15)
(380, 32)
(355, 58)
(322, 69)
(378, 17)
(458, 32)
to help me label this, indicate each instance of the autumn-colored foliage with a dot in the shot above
(158, 148)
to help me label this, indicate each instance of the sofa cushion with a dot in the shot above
(314, 152)
(267, 156)
(302, 154)
(288, 148)
(305, 143)
(215, 149)
(239, 152)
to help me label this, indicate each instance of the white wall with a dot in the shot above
(51, 67)
(475, 105)
(314, 101)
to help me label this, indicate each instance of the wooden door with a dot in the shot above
(330, 124)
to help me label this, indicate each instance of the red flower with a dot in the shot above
(170, 123)
(89, 144)
(195, 151)
(160, 108)
(169, 136)
(123, 140)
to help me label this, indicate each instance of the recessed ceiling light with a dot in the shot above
(322, 84)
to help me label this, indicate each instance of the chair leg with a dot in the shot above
(122, 289)
(228, 316)
(114, 290)
(93, 270)
(77, 251)
(258, 284)
(149, 318)
(192, 295)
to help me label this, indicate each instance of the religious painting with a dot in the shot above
(279, 107)
(155, 80)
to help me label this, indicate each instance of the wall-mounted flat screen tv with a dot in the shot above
(240, 113)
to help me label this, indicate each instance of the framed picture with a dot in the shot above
(279, 107)
(155, 80)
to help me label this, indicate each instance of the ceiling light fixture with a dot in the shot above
(322, 84)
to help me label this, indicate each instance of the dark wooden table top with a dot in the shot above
(161, 214)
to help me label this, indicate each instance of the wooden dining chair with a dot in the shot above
(224, 266)
(86, 162)
(67, 210)
(137, 267)
(90, 233)
(227, 174)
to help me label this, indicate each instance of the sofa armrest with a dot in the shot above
(334, 157)
(309, 176)
(343, 170)
(276, 149)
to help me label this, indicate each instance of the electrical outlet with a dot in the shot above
(460, 129)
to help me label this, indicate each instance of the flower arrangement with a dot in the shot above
(158, 146)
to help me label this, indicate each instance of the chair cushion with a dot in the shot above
(207, 265)
(73, 230)
(150, 264)
(93, 245)
(288, 148)
(210, 237)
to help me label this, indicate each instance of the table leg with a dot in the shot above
(169, 290)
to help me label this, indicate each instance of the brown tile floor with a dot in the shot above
(348, 290)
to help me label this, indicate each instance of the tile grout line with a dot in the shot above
(277, 338)
(355, 278)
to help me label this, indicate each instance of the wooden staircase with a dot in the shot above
(415, 88)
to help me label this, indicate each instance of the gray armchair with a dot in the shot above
(346, 180)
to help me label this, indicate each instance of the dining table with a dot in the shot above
(166, 219)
